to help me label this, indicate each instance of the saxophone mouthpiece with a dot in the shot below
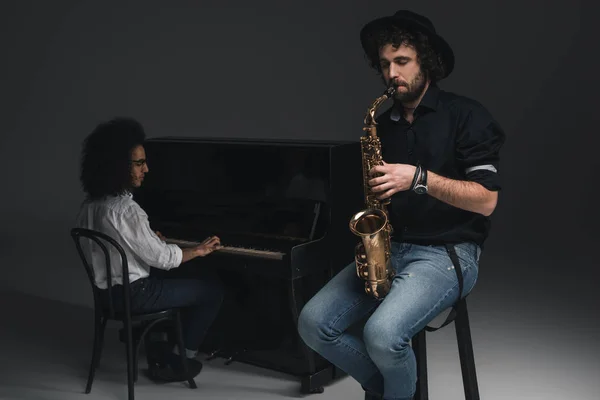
(391, 89)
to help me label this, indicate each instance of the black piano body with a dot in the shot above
(281, 209)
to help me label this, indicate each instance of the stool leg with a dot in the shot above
(420, 349)
(465, 351)
(99, 327)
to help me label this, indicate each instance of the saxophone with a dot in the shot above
(373, 253)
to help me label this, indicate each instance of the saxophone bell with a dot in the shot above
(371, 254)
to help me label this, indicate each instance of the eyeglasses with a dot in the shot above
(139, 162)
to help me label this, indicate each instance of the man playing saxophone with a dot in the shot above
(439, 170)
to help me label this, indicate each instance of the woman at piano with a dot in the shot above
(113, 166)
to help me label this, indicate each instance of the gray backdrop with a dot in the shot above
(296, 70)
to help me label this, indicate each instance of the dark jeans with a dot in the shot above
(199, 299)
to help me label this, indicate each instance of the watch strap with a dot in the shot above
(416, 177)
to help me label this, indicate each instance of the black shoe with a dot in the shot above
(157, 352)
(172, 370)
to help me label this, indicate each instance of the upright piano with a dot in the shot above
(281, 209)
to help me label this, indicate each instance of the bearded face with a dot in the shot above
(400, 65)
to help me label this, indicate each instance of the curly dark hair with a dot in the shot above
(106, 157)
(431, 62)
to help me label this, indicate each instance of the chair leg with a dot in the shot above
(465, 351)
(179, 333)
(135, 363)
(419, 345)
(99, 326)
(129, 345)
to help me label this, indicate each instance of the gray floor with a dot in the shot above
(516, 359)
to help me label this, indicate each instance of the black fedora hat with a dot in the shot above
(413, 22)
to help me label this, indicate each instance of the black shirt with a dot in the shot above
(452, 136)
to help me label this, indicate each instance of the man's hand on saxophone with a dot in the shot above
(394, 178)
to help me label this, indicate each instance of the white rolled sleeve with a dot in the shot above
(145, 244)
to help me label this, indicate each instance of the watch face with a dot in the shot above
(421, 189)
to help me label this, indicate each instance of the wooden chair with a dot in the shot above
(103, 314)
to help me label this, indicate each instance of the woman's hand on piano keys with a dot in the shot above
(209, 245)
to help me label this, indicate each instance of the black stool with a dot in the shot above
(465, 351)
(103, 314)
(460, 316)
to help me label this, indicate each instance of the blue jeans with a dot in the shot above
(380, 359)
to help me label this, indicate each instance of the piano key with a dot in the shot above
(274, 255)
(245, 251)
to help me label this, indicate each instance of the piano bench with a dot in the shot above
(459, 315)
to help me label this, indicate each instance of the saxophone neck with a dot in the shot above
(370, 123)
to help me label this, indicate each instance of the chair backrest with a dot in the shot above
(101, 239)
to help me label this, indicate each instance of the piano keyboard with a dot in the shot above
(244, 251)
